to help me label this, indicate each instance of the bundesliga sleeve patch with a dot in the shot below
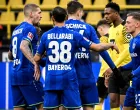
(30, 36)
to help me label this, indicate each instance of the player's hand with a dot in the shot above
(36, 72)
(106, 82)
(108, 72)
(116, 48)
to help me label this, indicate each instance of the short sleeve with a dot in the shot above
(29, 34)
(82, 41)
(93, 35)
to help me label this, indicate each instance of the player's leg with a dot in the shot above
(52, 99)
(33, 94)
(71, 99)
(127, 85)
(88, 93)
(19, 102)
(114, 92)
(102, 92)
(129, 102)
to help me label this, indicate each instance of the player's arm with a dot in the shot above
(104, 54)
(127, 66)
(24, 47)
(125, 53)
(41, 50)
(10, 56)
(103, 46)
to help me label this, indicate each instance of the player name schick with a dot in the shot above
(60, 36)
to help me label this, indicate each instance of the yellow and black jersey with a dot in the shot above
(104, 39)
(118, 36)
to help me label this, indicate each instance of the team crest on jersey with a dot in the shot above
(129, 36)
(134, 45)
(30, 36)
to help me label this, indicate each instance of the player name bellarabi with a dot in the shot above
(60, 36)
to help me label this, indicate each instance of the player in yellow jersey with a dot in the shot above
(118, 36)
(103, 29)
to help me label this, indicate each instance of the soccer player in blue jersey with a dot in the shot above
(60, 44)
(83, 64)
(132, 98)
(26, 89)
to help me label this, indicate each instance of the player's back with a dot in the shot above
(60, 45)
(83, 63)
(22, 68)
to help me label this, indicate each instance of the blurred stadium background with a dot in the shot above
(11, 15)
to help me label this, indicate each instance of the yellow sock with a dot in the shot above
(98, 107)
(115, 108)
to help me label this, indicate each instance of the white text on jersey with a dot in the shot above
(80, 55)
(60, 36)
(76, 26)
(17, 32)
(59, 67)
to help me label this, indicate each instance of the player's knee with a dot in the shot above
(114, 103)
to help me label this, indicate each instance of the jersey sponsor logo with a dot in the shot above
(30, 36)
(81, 55)
(59, 67)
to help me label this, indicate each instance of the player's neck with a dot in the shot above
(59, 24)
(118, 21)
(74, 17)
(134, 34)
(28, 21)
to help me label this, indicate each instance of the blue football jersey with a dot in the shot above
(60, 45)
(134, 50)
(83, 63)
(23, 69)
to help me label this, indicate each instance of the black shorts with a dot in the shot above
(102, 90)
(113, 84)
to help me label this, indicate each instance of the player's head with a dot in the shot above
(103, 27)
(133, 22)
(32, 13)
(59, 14)
(75, 8)
(111, 12)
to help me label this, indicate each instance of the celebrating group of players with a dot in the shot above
(65, 52)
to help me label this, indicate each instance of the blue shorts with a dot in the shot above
(27, 95)
(130, 98)
(67, 98)
(88, 91)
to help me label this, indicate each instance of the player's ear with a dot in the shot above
(137, 24)
(53, 19)
(31, 14)
(66, 18)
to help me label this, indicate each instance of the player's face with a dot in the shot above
(37, 16)
(109, 15)
(130, 25)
